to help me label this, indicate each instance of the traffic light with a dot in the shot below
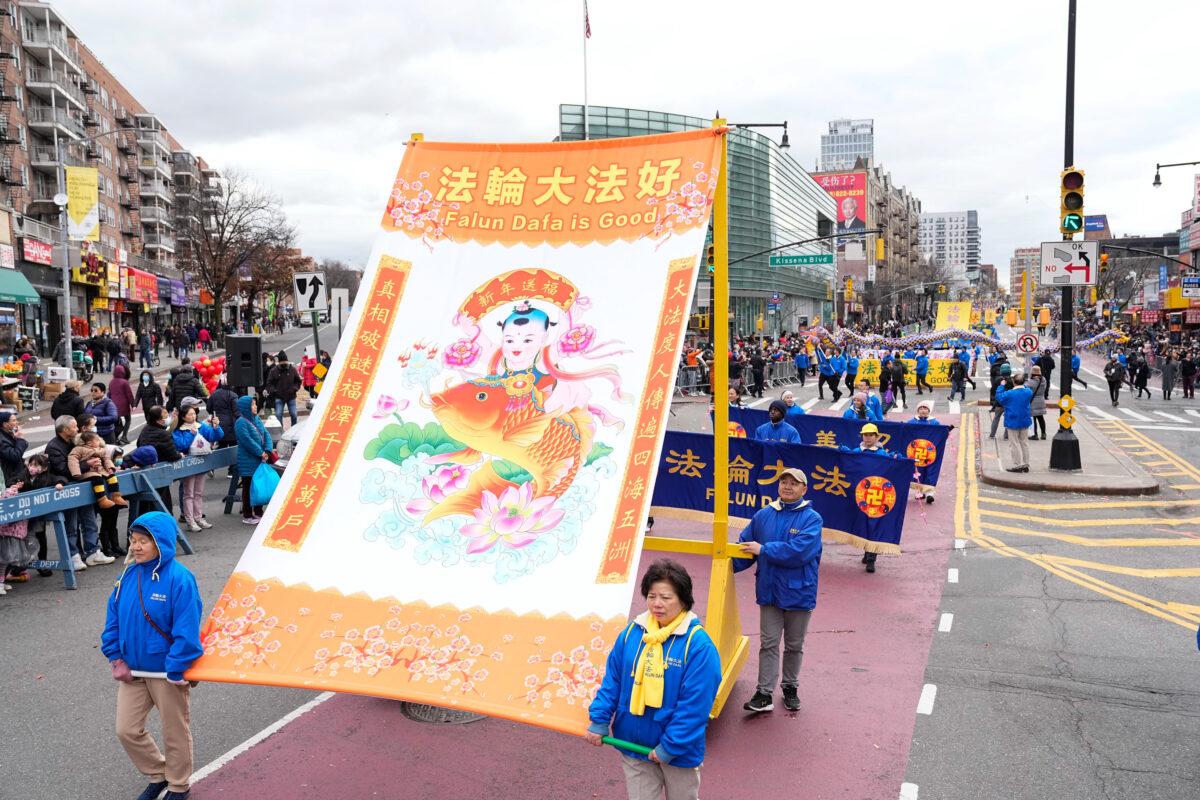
(1103, 263)
(941, 288)
(710, 257)
(1071, 204)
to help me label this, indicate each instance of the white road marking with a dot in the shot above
(1089, 372)
(928, 695)
(1191, 412)
(810, 403)
(1135, 415)
(274, 727)
(960, 544)
(1092, 410)
(952, 575)
(908, 791)
(1164, 428)
(762, 401)
(945, 623)
(1171, 417)
(840, 404)
(954, 407)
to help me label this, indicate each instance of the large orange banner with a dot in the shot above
(461, 524)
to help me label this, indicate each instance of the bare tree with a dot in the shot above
(270, 269)
(230, 225)
(341, 275)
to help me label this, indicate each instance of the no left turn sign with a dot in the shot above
(1027, 343)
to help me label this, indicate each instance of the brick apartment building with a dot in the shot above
(55, 93)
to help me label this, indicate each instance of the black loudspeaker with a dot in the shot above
(243, 360)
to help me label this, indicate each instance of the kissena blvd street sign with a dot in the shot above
(802, 260)
(1070, 263)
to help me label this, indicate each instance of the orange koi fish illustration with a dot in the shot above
(504, 417)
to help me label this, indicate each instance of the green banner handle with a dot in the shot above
(624, 745)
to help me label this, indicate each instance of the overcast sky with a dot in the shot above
(315, 101)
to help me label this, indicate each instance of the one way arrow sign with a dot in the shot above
(309, 289)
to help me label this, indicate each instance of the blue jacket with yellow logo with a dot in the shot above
(690, 681)
(790, 536)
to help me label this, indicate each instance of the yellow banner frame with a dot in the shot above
(721, 617)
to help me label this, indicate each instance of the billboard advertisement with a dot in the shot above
(849, 189)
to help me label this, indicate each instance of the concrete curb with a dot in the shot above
(1137, 482)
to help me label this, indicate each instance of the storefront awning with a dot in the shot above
(16, 288)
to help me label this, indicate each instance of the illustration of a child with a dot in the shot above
(104, 479)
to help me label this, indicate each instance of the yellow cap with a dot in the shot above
(870, 427)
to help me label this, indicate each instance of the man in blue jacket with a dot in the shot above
(777, 430)
(153, 626)
(1075, 362)
(923, 370)
(1017, 419)
(784, 540)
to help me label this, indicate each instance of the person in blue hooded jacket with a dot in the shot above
(153, 626)
(1018, 417)
(783, 540)
(1075, 363)
(829, 375)
(254, 448)
(660, 683)
(801, 361)
(851, 369)
(191, 489)
(777, 430)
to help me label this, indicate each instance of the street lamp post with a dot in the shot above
(1158, 179)
(60, 200)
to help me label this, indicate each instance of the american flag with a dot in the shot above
(587, 23)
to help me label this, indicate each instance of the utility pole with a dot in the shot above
(1064, 448)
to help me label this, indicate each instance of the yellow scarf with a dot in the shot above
(648, 672)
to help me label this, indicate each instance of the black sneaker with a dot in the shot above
(791, 698)
(153, 791)
(759, 703)
(928, 498)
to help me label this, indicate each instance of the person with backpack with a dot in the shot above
(283, 383)
(152, 625)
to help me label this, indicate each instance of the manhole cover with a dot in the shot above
(426, 713)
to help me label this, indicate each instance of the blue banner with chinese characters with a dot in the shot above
(861, 497)
(924, 444)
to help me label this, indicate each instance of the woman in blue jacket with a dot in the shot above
(660, 683)
(187, 429)
(784, 540)
(153, 626)
(254, 448)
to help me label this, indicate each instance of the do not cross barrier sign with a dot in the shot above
(1027, 343)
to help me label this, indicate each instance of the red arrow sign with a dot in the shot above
(1087, 270)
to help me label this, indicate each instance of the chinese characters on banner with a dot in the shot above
(951, 316)
(849, 189)
(861, 498)
(463, 525)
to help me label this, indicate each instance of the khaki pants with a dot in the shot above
(1018, 442)
(646, 780)
(134, 701)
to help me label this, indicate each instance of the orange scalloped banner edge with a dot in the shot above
(522, 667)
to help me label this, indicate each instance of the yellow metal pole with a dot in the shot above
(722, 619)
(720, 334)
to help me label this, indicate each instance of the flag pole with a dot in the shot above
(586, 31)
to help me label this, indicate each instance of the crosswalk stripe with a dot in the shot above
(810, 403)
(840, 404)
(954, 407)
(1171, 417)
(1192, 412)
(1093, 411)
(1135, 415)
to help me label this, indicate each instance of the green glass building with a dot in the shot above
(772, 201)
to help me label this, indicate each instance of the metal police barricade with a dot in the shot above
(139, 486)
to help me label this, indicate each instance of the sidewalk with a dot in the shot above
(1106, 468)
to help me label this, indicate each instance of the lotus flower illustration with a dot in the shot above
(514, 518)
